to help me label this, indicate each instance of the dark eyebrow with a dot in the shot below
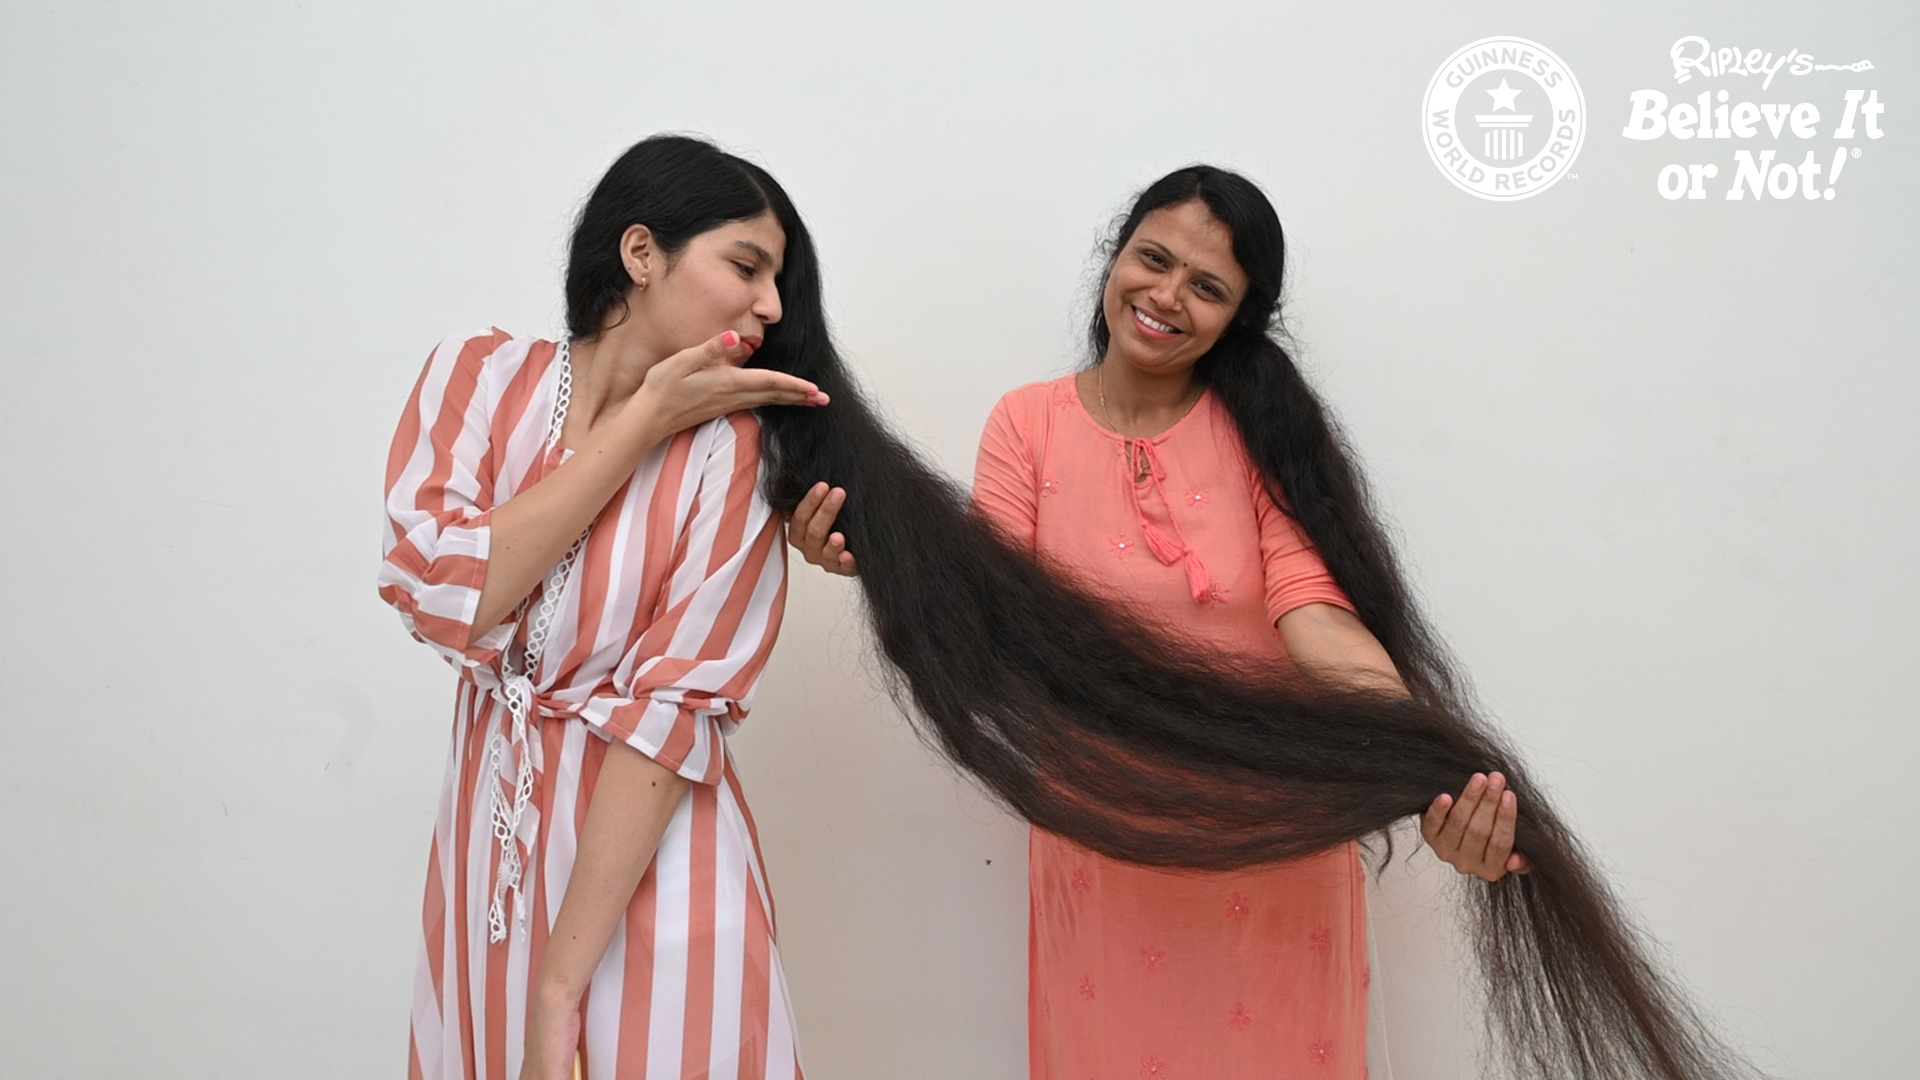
(1226, 290)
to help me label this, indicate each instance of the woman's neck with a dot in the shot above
(1136, 403)
(607, 372)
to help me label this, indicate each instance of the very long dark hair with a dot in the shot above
(1096, 727)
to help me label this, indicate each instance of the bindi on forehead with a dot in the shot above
(1222, 276)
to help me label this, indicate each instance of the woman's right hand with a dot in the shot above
(695, 385)
(811, 531)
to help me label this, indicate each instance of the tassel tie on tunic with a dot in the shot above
(1168, 549)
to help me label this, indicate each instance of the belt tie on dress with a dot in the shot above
(1168, 549)
(509, 810)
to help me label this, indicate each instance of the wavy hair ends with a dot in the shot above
(1092, 725)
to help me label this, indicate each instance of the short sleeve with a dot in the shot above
(1006, 488)
(691, 677)
(1295, 575)
(439, 504)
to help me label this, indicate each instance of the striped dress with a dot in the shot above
(657, 638)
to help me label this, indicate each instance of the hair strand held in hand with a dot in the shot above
(1096, 727)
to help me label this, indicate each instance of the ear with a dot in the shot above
(637, 254)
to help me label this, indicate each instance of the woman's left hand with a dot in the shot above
(1474, 833)
(552, 1036)
(811, 531)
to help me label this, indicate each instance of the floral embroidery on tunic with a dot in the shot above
(1153, 957)
(1198, 495)
(1237, 908)
(1317, 1052)
(1080, 882)
(1122, 546)
(1152, 1066)
(1239, 1018)
(1214, 595)
(1086, 987)
(1322, 941)
(1049, 486)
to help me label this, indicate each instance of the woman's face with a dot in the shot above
(722, 280)
(1172, 290)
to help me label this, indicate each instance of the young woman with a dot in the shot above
(578, 527)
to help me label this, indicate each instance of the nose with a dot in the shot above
(766, 305)
(1165, 292)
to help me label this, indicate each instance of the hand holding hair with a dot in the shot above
(1474, 833)
(810, 531)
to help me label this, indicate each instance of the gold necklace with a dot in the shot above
(1136, 460)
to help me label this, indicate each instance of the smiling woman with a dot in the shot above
(1174, 635)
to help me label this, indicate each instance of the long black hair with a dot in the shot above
(1091, 725)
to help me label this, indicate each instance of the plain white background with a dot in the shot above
(1654, 464)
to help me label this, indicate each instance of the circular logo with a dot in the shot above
(1504, 118)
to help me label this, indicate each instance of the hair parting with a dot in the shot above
(1095, 726)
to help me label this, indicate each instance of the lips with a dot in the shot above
(752, 344)
(1153, 329)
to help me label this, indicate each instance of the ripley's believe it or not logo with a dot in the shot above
(1504, 118)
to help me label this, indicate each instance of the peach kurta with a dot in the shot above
(656, 638)
(1135, 972)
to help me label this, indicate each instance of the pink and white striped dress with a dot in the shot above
(657, 638)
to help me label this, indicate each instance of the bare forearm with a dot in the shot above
(633, 800)
(534, 529)
(1330, 644)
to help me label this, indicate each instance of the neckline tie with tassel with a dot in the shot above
(1168, 549)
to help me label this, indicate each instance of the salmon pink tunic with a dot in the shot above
(655, 635)
(1144, 973)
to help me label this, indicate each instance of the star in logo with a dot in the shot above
(1503, 96)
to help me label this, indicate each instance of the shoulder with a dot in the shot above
(1040, 395)
(1229, 441)
(1024, 408)
(493, 358)
(724, 450)
(735, 433)
(475, 349)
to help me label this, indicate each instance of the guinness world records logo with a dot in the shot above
(1504, 118)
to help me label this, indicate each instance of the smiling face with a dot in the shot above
(722, 280)
(1172, 290)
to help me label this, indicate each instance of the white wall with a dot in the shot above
(1655, 464)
